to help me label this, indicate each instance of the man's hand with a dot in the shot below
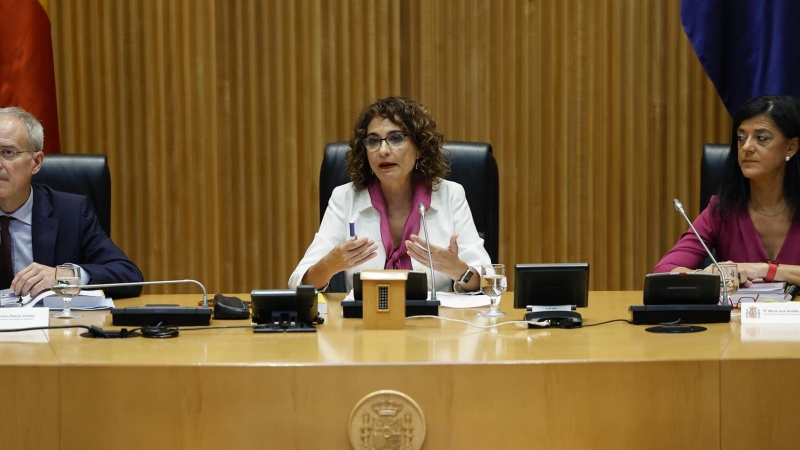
(33, 279)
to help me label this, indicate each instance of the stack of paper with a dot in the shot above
(85, 301)
(762, 292)
(8, 298)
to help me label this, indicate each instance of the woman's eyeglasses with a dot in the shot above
(738, 303)
(395, 139)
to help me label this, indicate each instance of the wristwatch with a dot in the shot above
(466, 277)
(773, 268)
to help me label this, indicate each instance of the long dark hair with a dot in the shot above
(413, 119)
(734, 189)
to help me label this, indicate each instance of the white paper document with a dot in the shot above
(87, 300)
(453, 300)
(761, 292)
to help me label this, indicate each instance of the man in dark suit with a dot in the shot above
(43, 228)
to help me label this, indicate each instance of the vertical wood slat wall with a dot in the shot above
(214, 115)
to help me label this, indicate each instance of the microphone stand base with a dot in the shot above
(674, 314)
(164, 315)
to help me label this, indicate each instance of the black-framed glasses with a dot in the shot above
(395, 139)
(10, 154)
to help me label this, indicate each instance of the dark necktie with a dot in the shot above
(7, 269)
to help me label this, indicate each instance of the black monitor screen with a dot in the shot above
(681, 289)
(303, 302)
(551, 285)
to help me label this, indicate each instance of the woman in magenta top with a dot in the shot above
(754, 220)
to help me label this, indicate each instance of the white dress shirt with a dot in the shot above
(449, 214)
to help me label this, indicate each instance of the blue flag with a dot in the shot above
(748, 47)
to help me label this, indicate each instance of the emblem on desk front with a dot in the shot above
(387, 420)
(752, 312)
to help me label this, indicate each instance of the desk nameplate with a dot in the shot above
(15, 318)
(769, 312)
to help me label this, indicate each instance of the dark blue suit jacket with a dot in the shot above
(65, 229)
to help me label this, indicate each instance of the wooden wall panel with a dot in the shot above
(214, 115)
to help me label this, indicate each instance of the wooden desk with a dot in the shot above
(759, 372)
(613, 386)
(29, 392)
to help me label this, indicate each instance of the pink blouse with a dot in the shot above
(397, 255)
(734, 240)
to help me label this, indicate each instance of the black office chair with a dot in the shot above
(80, 174)
(472, 165)
(711, 164)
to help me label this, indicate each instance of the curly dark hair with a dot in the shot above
(734, 189)
(412, 118)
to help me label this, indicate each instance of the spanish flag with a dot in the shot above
(27, 72)
(748, 48)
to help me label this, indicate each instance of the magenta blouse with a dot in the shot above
(734, 240)
(397, 255)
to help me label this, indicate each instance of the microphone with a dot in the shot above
(421, 208)
(147, 283)
(723, 282)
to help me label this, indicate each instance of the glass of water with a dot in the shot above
(731, 272)
(493, 285)
(68, 277)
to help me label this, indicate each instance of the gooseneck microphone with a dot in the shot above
(421, 208)
(722, 279)
(147, 283)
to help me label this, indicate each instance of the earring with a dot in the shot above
(788, 158)
(416, 165)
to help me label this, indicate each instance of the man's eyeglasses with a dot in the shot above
(10, 154)
(395, 139)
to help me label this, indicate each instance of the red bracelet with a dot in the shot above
(773, 268)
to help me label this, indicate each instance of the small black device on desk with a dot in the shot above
(556, 319)
(680, 297)
(288, 310)
(550, 293)
(230, 308)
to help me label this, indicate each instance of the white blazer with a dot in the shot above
(449, 214)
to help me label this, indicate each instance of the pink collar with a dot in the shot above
(397, 256)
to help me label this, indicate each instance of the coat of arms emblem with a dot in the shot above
(387, 420)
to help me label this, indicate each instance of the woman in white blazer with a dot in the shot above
(395, 162)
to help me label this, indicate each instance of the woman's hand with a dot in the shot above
(751, 271)
(445, 259)
(350, 253)
(747, 271)
(345, 255)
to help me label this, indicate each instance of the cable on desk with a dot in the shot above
(495, 325)
(50, 327)
(161, 331)
(607, 321)
(153, 331)
(543, 324)
(223, 327)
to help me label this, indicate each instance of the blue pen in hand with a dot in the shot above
(352, 230)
